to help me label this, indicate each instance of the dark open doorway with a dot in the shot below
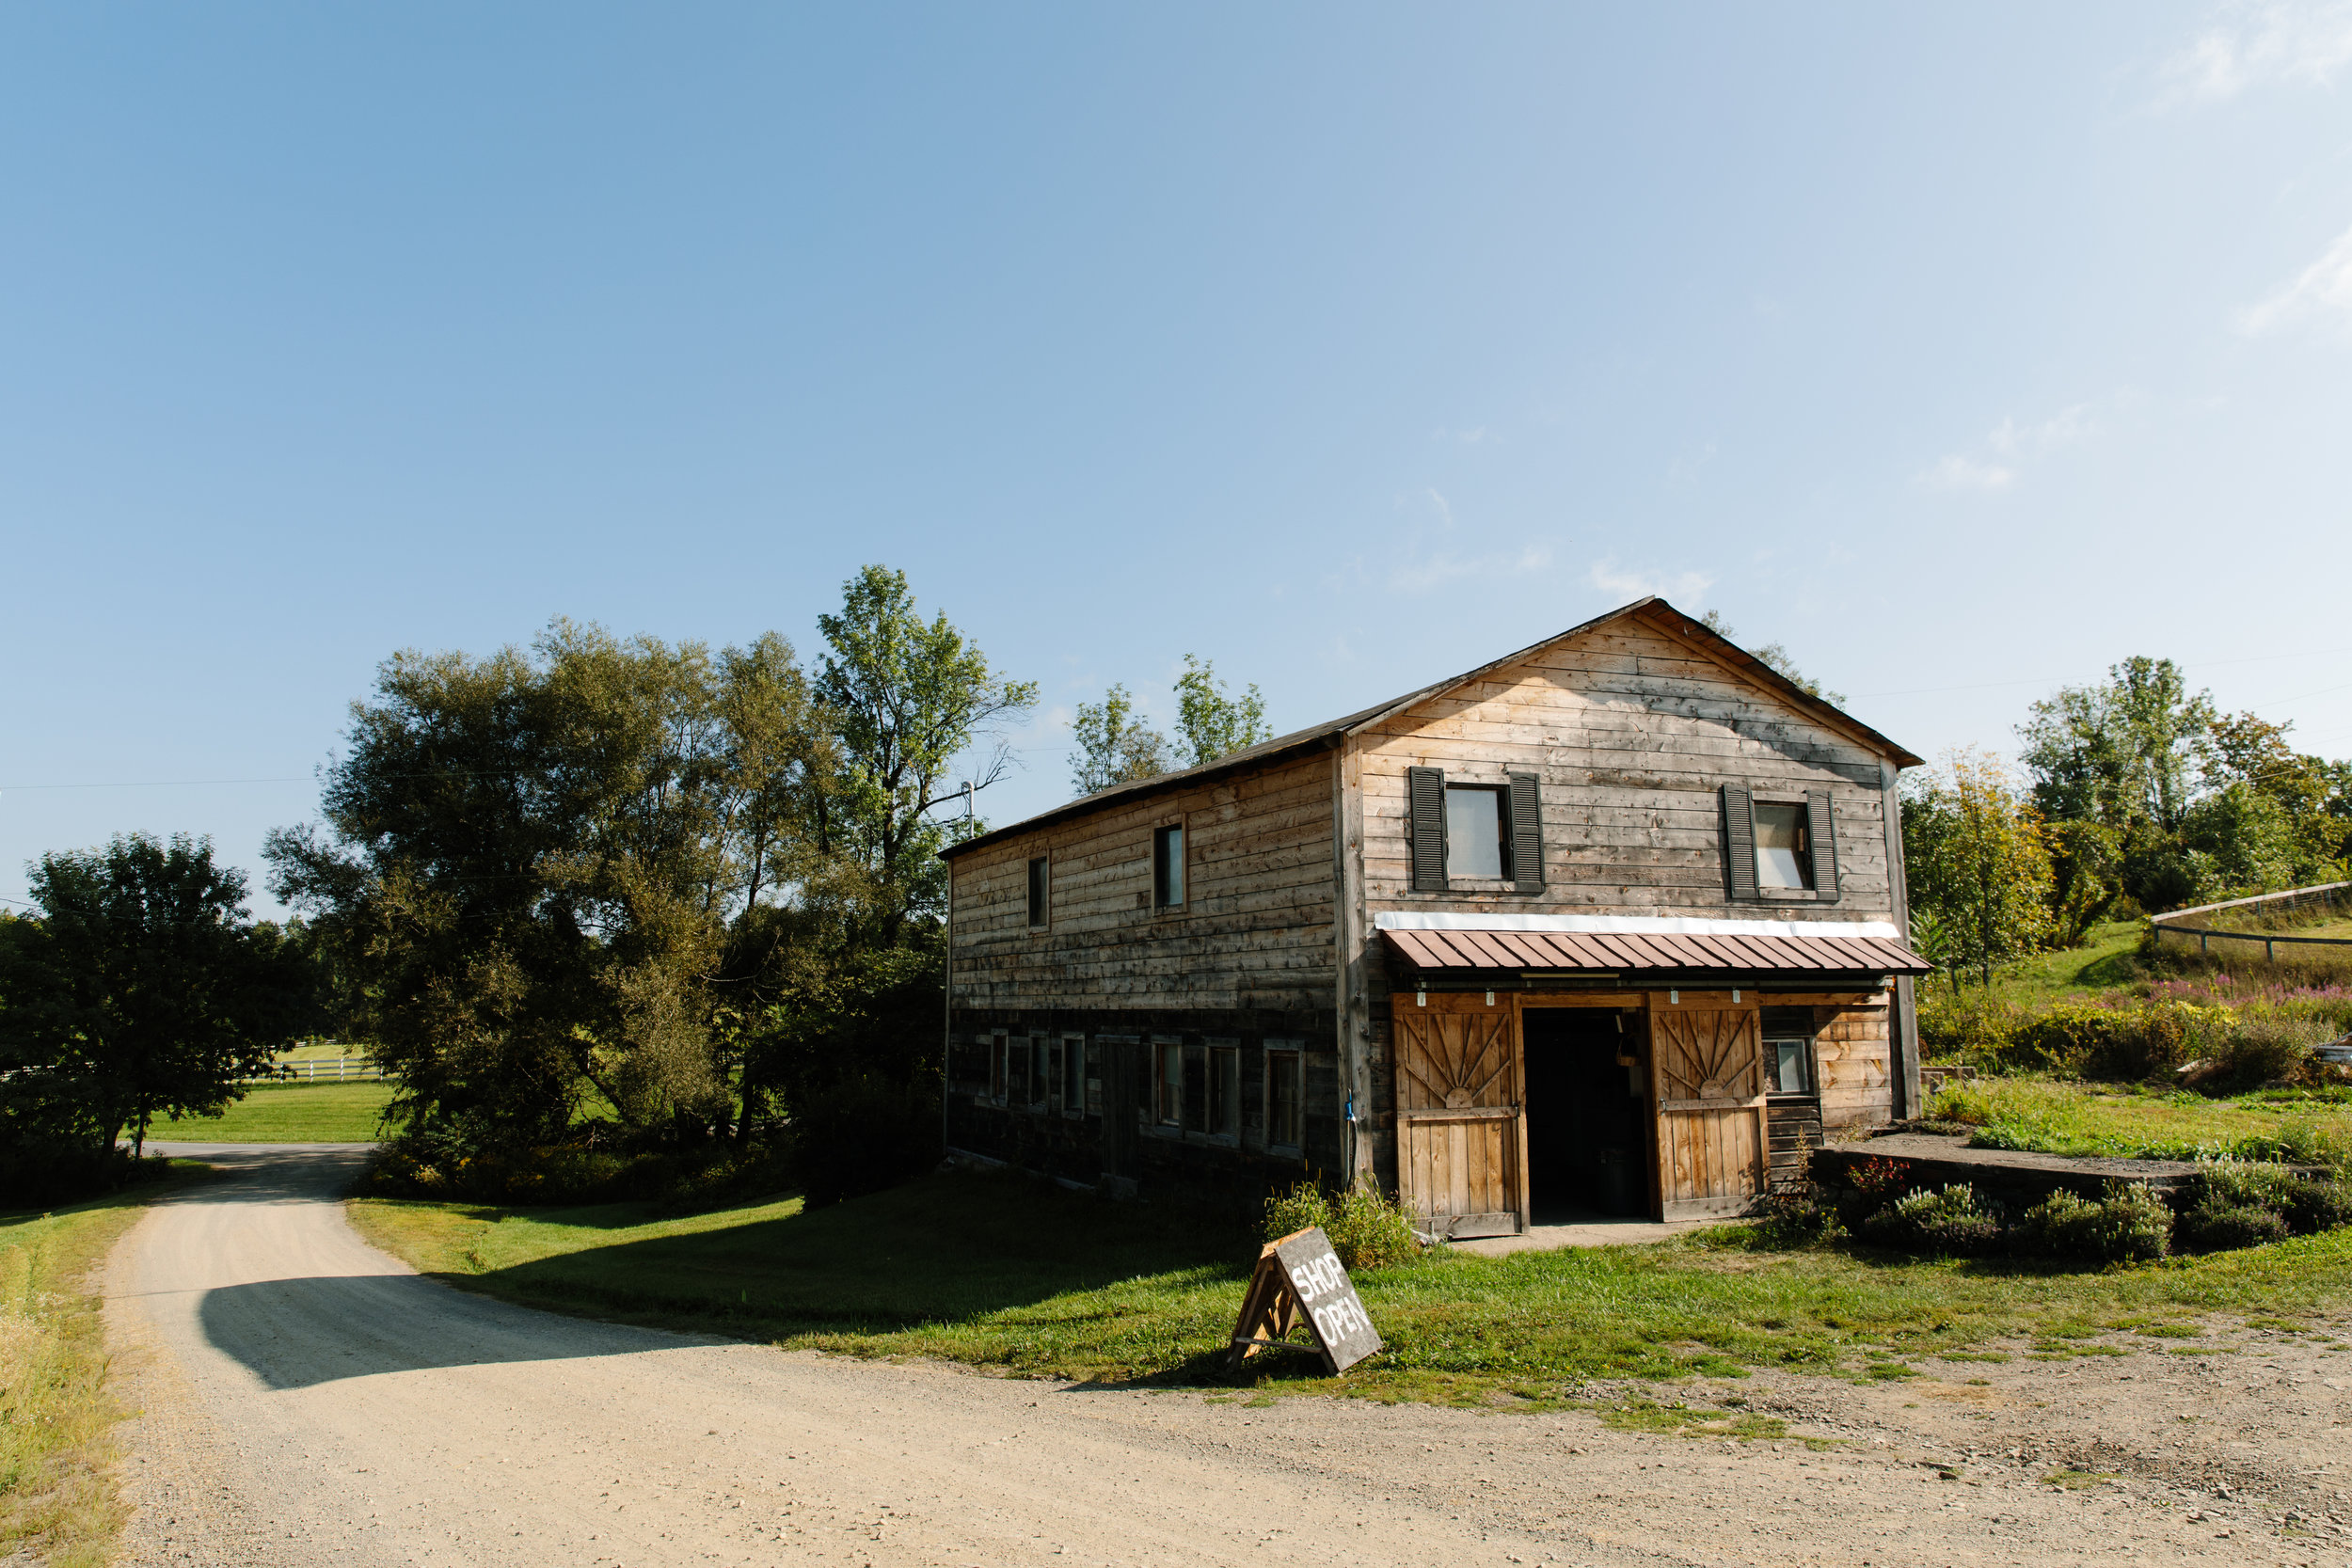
(1587, 1133)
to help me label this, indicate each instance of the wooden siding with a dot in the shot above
(1255, 931)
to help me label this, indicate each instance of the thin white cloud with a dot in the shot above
(2325, 287)
(1636, 583)
(1430, 561)
(1956, 472)
(2252, 43)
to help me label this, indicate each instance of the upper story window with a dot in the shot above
(1039, 874)
(1167, 867)
(1477, 832)
(1474, 835)
(1780, 848)
(1784, 845)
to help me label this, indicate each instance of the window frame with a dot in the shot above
(1806, 1035)
(1809, 865)
(999, 1067)
(1041, 1073)
(1041, 891)
(1743, 856)
(1500, 797)
(1279, 1056)
(1162, 836)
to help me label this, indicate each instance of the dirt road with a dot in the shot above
(305, 1399)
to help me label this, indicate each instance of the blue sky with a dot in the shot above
(1964, 351)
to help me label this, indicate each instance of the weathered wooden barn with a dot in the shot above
(1615, 924)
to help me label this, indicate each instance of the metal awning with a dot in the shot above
(1555, 945)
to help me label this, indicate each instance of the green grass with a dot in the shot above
(2056, 1115)
(58, 1500)
(999, 1273)
(2108, 959)
(290, 1114)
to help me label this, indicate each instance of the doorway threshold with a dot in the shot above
(1597, 1232)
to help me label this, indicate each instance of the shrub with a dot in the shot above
(41, 1174)
(1975, 1026)
(1796, 1219)
(1368, 1229)
(2131, 1224)
(2263, 1048)
(1953, 1221)
(2246, 1183)
(2316, 1205)
(862, 1134)
(2221, 1228)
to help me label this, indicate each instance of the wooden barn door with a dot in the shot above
(1710, 1061)
(1461, 1126)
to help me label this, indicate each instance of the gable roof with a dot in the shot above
(1652, 611)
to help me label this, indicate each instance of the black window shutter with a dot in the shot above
(1822, 829)
(1427, 787)
(1739, 843)
(1527, 834)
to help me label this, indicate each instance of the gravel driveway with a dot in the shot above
(303, 1399)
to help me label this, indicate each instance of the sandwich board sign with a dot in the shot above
(1300, 1279)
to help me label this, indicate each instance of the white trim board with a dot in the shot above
(1634, 924)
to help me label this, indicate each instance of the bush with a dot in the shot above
(2131, 1224)
(1975, 1026)
(1368, 1229)
(42, 1175)
(2221, 1228)
(1796, 1219)
(2261, 1049)
(2243, 1183)
(1952, 1223)
(2317, 1205)
(863, 1134)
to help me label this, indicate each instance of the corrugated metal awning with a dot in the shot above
(1455, 942)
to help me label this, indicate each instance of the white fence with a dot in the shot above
(328, 1069)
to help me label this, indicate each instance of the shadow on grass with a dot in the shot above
(945, 1249)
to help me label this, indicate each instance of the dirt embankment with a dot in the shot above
(305, 1399)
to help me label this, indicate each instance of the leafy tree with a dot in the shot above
(2123, 752)
(905, 699)
(1978, 863)
(141, 988)
(1776, 657)
(532, 864)
(1212, 723)
(1114, 745)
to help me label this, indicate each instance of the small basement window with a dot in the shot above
(1041, 1073)
(1784, 845)
(1285, 1099)
(996, 1067)
(1167, 867)
(1477, 832)
(1037, 892)
(1788, 1051)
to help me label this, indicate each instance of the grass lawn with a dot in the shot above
(2056, 1116)
(2106, 959)
(997, 1271)
(289, 1114)
(57, 1502)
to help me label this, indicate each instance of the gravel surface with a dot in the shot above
(303, 1399)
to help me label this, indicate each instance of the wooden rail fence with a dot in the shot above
(2327, 896)
(331, 1069)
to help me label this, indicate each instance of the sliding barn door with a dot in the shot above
(1461, 1127)
(1711, 1140)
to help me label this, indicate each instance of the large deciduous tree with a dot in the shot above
(141, 988)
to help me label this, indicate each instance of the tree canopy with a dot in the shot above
(140, 988)
(1116, 746)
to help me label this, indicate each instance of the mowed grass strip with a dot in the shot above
(57, 1502)
(290, 1114)
(1001, 1273)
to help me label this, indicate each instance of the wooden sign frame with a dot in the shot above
(1299, 1279)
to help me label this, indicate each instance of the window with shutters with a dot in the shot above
(1469, 836)
(1038, 872)
(1779, 847)
(1167, 867)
